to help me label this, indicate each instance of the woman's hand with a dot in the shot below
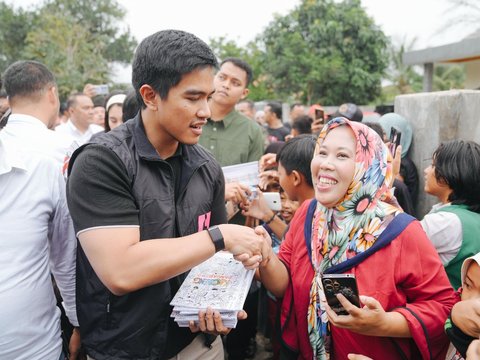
(371, 319)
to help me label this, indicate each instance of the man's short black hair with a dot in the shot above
(457, 164)
(276, 108)
(297, 154)
(163, 58)
(294, 105)
(303, 124)
(242, 65)
(27, 78)
(72, 99)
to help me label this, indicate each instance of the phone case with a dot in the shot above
(344, 284)
(273, 200)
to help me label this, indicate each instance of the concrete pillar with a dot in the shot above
(427, 77)
(437, 117)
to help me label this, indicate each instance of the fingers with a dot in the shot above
(267, 161)
(242, 315)
(210, 322)
(370, 302)
(348, 306)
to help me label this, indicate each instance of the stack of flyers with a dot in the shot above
(221, 283)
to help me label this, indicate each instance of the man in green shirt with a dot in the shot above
(231, 137)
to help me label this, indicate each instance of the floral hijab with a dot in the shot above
(354, 224)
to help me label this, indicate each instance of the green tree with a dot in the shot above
(77, 40)
(405, 79)
(446, 77)
(325, 51)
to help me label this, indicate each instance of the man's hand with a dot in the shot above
(210, 322)
(75, 345)
(89, 90)
(466, 316)
(241, 240)
(236, 192)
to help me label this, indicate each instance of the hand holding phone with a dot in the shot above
(344, 284)
(395, 137)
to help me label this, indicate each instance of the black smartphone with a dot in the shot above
(319, 114)
(395, 137)
(344, 284)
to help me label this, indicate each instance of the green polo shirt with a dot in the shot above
(233, 140)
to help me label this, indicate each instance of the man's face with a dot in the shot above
(298, 110)
(99, 115)
(81, 112)
(230, 85)
(269, 115)
(246, 110)
(182, 114)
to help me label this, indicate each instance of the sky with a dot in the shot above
(399, 19)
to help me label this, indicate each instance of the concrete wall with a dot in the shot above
(437, 117)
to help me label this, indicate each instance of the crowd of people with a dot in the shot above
(109, 201)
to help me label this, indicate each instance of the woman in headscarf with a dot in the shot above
(408, 170)
(351, 227)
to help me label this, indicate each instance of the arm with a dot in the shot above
(445, 232)
(272, 272)
(106, 220)
(63, 247)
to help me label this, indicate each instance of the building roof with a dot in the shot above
(465, 50)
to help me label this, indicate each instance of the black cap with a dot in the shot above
(350, 111)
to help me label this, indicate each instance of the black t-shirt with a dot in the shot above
(277, 134)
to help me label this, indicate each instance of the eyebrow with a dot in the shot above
(197, 92)
(339, 148)
(230, 76)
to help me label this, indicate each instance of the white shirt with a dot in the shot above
(35, 136)
(444, 230)
(69, 131)
(36, 238)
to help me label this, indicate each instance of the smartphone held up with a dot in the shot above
(394, 141)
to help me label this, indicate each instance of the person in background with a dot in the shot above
(302, 125)
(403, 287)
(247, 108)
(99, 110)
(130, 106)
(80, 126)
(350, 111)
(470, 291)
(273, 118)
(453, 225)
(400, 189)
(36, 232)
(114, 111)
(408, 170)
(296, 110)
(3, 102)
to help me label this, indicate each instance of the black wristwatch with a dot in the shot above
(217, 238)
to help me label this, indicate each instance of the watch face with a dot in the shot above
(217, 238)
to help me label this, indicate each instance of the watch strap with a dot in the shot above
(217, 238)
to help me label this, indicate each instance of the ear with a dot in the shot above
(245, 93)
(149, 97)
(297, 178)
(52, 95)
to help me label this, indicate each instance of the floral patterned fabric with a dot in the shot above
(353, 225)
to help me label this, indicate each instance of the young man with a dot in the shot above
(142, 198)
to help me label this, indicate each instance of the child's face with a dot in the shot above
(471, 283)
(433, 186)
(288, 207)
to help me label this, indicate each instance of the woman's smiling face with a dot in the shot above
(333, 166)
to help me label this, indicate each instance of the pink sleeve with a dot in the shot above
(430, 296)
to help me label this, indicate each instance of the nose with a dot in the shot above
(326, 164)
(204, 111)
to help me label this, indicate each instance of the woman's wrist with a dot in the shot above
(269, 217)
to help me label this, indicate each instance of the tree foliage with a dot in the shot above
(325, 51)
(77, 40)
(404, 77)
